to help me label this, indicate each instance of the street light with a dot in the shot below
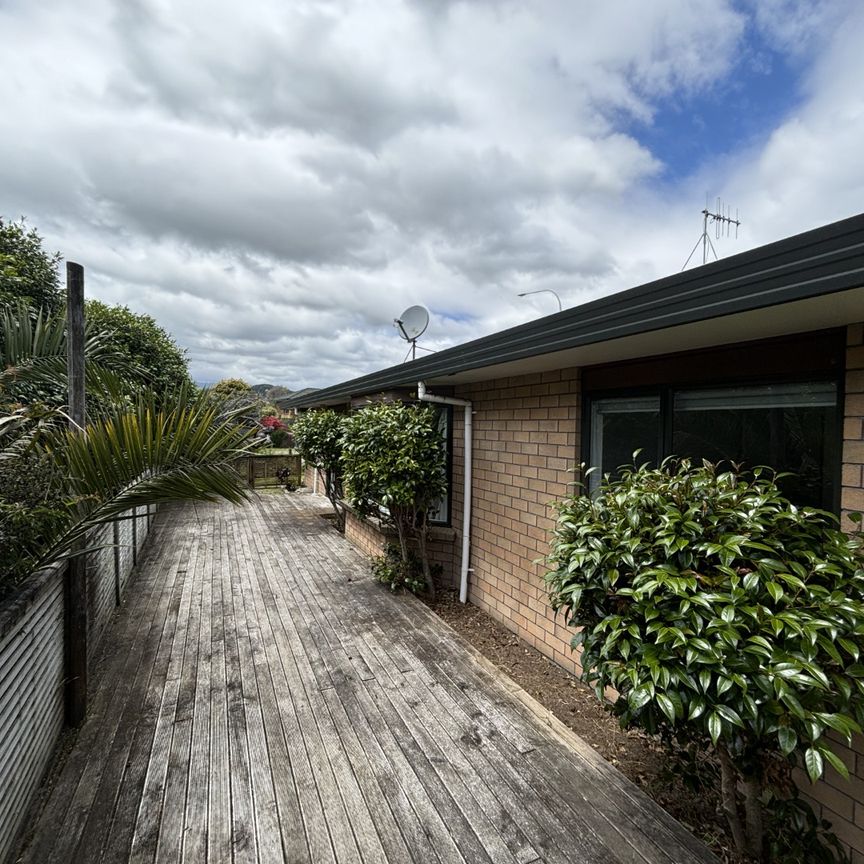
(544, 291)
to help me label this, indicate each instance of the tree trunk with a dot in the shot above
(334, 495)
(403, 542)
(728, 788)
(424, 560)
(753, 815)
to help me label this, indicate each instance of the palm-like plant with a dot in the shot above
(131, 454)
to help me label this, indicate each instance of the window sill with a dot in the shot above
(436, 532)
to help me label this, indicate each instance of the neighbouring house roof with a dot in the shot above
(297, 394)
(770, 291)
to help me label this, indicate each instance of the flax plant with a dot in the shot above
(135, 450)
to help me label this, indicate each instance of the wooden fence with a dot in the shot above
(32, 675)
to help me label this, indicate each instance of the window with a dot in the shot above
(620, 426)
(788, 426)
(440, 513)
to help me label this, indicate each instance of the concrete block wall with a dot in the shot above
(526, 447)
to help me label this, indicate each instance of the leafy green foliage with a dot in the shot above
(795, 835)
(33, 509)
(717, 609)
(129, 458)
(27, 272)
(393, 457)
(33, 358)
(56, 486)
(228, 388)
(144, 351)
(391, 570)
(239, 401)
(395, 467)
(318, 439)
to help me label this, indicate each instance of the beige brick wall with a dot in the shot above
(852, 497)
(838, 800)
(526, 445)
(309, 477)
(371, 538)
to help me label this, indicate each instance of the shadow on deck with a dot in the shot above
(263, 700)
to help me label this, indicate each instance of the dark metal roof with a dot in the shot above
(815, 263)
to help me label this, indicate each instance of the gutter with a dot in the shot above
(423, 396)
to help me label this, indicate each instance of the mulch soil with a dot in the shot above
(640, 757)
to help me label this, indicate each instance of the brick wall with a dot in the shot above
(370, 537)
(309, 477)
(853, 425)
(526, 443)
(838, 800)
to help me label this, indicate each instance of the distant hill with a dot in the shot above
(271, 391)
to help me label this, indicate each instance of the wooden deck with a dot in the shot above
(263, 700)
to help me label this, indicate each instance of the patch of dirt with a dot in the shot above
(640, 757)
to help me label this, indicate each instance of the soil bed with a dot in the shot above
(640, 757)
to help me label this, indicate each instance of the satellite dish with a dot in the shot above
(412, 323)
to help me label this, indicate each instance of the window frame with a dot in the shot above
(666, 393)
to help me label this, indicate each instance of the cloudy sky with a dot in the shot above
(275, 180)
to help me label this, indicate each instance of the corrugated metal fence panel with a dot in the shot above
(124, 530)
(31, 704)
(101, 591)
(143, 526)
(31, 667)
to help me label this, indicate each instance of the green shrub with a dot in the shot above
(391, 570)
(318, 438)
(33, 509)
(721, 613)
(395, 468)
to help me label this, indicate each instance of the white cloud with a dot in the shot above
(275, 181)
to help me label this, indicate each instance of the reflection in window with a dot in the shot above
(440, 513)
(619, 427)
(788, 427)
(785, 426)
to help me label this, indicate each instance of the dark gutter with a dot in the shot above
(815, 263)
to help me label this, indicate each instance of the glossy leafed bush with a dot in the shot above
(719, 611)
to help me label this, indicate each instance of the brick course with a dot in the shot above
(526, 445)
(371, 537)
(841, 801)
(852, 495)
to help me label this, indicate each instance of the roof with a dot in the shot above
(793, 272)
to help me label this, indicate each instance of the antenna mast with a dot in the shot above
(722, 221)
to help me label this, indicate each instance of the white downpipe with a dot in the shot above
(423, 396)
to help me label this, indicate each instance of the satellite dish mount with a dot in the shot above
(412, 324)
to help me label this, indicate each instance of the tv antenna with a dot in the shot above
(412, 324)
(722, 221)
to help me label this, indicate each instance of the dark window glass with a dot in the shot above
(440, 513)
(619, 427)
(787, 427)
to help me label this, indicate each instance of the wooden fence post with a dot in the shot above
(75, 618)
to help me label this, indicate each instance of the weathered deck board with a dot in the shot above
(264, 701)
